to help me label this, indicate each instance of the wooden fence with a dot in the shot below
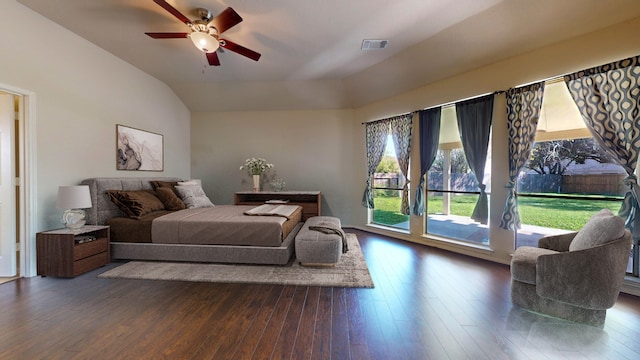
(605, 184)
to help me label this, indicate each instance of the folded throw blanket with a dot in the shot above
(273, 210)
(329, 228)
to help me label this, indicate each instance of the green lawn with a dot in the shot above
(387, 210)
(564, 214)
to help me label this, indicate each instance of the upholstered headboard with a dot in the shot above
(103, 208)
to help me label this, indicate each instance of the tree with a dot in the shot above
(388, 165)
(553, 157)
(458, 162)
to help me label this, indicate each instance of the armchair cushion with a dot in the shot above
(523, 263)
(602, 228)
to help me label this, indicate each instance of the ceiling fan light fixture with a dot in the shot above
(204, 42)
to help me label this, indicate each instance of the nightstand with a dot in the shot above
(71, 252)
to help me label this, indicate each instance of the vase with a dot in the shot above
(256, 183)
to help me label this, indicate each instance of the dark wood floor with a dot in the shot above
(427, 304)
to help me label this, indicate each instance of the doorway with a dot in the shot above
(14, 247)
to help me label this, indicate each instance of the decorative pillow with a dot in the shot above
(169, 198)
(191, 182)
(602, 228)
(171, 204)
(136, 204)
(163, 184)
(193, 196)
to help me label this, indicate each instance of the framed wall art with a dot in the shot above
(138, 149)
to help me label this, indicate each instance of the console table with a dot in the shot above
(311, 201)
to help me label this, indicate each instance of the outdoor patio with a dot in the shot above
(465, 229)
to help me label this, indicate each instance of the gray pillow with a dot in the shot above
(602, 228)
(193, 196)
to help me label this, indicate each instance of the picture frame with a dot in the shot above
(138, 150)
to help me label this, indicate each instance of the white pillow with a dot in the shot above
(193, 196)
(602, 228)
(191, 182)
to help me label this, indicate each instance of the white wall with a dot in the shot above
(81, 92)
(311, 150)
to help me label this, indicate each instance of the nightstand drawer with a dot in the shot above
(90, 263)
(81, 251)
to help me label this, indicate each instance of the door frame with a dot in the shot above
(27, 196)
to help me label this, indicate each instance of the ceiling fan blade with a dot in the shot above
(229, 45)
(173, 11)
(168, 35)
(213, 59)
(226, 20)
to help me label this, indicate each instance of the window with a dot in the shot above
(564, 183)
(388, 157)
(568, 177)
(452, 188)
(388, 183)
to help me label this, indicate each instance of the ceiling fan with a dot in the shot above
(205, 32)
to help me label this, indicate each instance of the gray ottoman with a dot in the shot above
(319, 248)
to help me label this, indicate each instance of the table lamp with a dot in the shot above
(73, 199)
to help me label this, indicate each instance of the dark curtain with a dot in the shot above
(429, 138)
(474, 123)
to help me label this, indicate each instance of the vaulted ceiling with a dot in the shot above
(311, 56)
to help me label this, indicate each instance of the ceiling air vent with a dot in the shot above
(374, 44)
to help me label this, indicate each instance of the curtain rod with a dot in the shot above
(497, 92)
(385, 119)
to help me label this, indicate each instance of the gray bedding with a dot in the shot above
(220, 225)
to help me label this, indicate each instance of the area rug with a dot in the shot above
(350, 271)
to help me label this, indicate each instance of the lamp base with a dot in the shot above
(74, 218)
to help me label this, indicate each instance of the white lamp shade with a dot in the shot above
(73, 197)
(204, 42)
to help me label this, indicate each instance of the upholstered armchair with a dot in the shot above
(575, 276)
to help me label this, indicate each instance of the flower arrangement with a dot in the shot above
(256, 166)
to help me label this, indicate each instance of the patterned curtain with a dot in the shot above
(401, 127)
(429, 139)
(608, 98)
(376, 141)
(474, 123)
(523, 112)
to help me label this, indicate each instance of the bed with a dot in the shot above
(186, 234)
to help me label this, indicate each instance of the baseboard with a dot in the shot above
(631, 285)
